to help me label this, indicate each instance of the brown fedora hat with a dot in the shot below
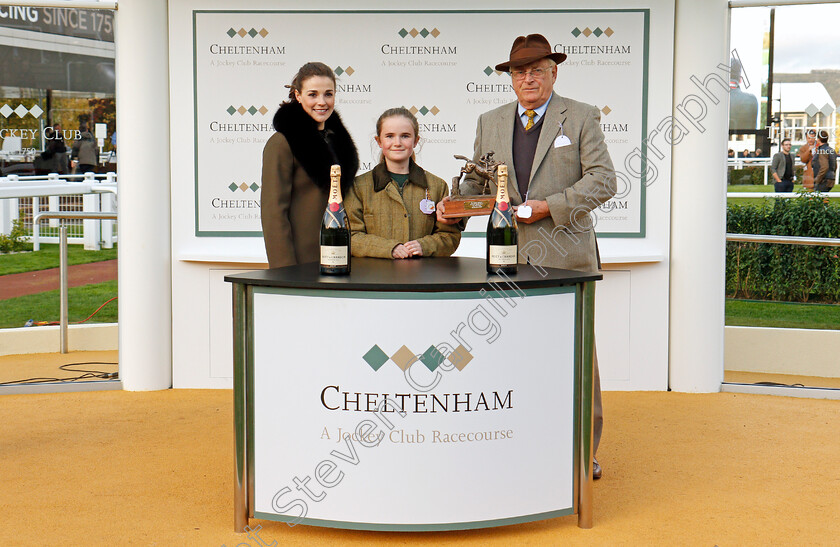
(527, 49)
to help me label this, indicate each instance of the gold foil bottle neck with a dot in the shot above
(335, 184)
(501, 184)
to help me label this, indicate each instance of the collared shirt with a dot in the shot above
(539, 110)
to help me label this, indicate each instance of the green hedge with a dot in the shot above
(769, 271)
(755, 175)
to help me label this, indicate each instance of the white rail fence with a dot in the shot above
(764, 163)
(23, 197)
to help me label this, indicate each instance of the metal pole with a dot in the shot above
(586, 400)
(240, 409)
(62, 268)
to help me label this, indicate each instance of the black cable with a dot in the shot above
(87, 374)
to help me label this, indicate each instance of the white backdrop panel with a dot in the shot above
(437, 63)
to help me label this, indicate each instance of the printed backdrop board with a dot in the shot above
(439, 64)
(485, 439)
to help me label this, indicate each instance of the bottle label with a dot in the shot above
(503, 255)
(333, 256)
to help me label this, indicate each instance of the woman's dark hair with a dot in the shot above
(305, 72)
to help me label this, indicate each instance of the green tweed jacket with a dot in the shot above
(381, 218)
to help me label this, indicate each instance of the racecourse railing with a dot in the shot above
(62, 263)
(23, 197)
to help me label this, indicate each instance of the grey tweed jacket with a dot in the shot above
(574, 179)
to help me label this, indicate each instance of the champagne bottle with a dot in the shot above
(335, 230)
(502, 238)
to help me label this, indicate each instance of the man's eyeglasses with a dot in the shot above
(534, 72)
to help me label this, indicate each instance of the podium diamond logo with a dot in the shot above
(460, 357)
(404, 358)
(432, 358)
(375, 357)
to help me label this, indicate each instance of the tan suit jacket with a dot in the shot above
(574, 179)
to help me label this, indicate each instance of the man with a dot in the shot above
(743, 106)
(806, 154)
(824, 164)
(782, 168)
(558, 165)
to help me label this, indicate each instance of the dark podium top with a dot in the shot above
(410, 275)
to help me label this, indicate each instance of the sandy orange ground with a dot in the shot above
(155, 468)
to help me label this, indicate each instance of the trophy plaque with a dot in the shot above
(460, 206)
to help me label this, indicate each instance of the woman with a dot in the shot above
(296, 167)
(391, 208)
(85, 149)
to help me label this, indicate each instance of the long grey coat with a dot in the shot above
(573, 179)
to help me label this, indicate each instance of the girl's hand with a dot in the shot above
(400, 252)
(413, 247)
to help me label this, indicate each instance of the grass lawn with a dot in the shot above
(47, 258)
(753, 313)
(83, 301)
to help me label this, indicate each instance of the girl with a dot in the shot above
(296, 167)
(391, 208)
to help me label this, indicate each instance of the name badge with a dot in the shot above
(427, 206)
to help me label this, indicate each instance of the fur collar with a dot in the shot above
(310, 149)
(416, 175)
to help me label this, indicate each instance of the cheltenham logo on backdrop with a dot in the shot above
(404, 358)
(243, 187)
(423, 110)
(339, 71)
(242, 110)
(242, 33)
(587, 32)
(414, 33)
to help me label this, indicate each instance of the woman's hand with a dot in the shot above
(413, 247)
(400, 252)
(440, 208)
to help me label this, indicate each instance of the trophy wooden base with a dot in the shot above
(469, 206)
